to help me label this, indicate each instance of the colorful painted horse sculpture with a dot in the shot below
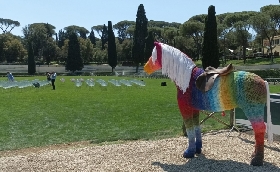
(234, 89)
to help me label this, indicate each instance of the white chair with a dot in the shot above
(62, 80)
(102, 82)
(78, 83)
(115, 82)
(138, 82)
(6, 85)
(90, 83)
(23, 84)
(116, 73)
(126, 82)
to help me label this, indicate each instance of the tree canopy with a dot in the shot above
(122, 28)
(7, 25)
(81, 31)
(236, 31)
(74, 61)
(194, 30)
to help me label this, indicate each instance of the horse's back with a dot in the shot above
(237, 89)
(250, 88)
(241, 89)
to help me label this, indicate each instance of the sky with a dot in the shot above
(88, 13)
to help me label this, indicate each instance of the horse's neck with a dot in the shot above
(196, 72)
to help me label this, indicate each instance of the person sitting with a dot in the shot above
(10, 76)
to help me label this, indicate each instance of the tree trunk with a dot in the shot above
(244, 53)
(225, 59)
(137, 67)
(271, 54)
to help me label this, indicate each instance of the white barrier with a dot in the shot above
(268, 113)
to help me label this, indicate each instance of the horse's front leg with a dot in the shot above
(198, 137)
(190, 151)
(196, 123)
(187, 114)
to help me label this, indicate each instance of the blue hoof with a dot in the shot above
(198, 147)
(198, 151)
(188, 154)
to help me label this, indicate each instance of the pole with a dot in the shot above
(231, 118)
(269, 123)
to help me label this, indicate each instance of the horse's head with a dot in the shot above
(154, 62)
(174, 63)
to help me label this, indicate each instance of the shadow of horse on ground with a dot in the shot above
(266, 146)
(201, 163)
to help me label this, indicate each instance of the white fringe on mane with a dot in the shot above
(176, 65)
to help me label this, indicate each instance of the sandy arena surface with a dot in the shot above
(220, 153)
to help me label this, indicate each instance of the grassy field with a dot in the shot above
(274, 89)
(249, 62)
(33, 117)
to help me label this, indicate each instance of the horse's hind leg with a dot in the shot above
(255, 114)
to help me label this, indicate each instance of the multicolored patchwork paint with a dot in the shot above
(237, 89)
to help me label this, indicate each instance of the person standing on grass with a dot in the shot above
(53, 77)
(10, 76)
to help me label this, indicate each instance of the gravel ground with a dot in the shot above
(220, 153)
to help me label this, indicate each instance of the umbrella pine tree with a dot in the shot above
(74, 60)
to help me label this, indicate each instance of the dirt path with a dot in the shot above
(220, 153)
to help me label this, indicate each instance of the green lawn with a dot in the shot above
(37, 117)
(274, 88)
(33, 117)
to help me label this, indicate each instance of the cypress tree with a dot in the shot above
(1, 49)
(74, 61)
(112, 52)
(104, 37)
(140, 34)
(210, 50)
(56, 39)
(31, 60)
(61, 38)
(149, 46)
(92, 37)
